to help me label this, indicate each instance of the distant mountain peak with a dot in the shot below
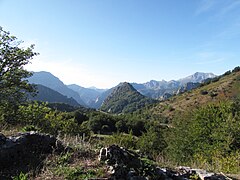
(196, 77)
(49, 80)
(125, 86)
(124, 98)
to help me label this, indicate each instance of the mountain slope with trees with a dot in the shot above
(88, 95)
(124, 99)
(222, 88)
(47, 79)
(46, 94)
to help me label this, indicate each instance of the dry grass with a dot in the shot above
(226, 88)
(80, 162)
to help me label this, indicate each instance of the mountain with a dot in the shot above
(187, 87)
(100, 99)
(52, 82)
(94, 97)
(158, 89)
(222, 88)
(97, 89)
(88, 95)
(46, 94)
(124, 99)
(196, 77)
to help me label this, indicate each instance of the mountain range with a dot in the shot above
(48, 80)
(222, 88)
(97, 98)
(46, 94)
(159, 89)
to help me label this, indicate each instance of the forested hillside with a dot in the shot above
(125, 99)
(46, 94)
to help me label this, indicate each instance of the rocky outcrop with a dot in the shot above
(165, 96)
(124, 164)
(187, 87)
(25, 151)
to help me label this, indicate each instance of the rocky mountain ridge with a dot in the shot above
(158, 89)
(94, 97)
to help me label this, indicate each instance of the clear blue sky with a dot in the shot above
(103, 42)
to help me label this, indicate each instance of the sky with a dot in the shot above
(104, 42)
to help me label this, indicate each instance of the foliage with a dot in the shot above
(152, 142)
(102, 123)
(123, 140)
(74, 173)
(217, 78)
(13, 83)
(125, 99)
(47, 94)
(28, 128)
(236, 69)
(21, 176)
(49, 121)
(208, 135)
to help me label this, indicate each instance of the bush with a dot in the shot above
(152, 142)
(210, 129)
(46, 120)
(123, 140)
(236, 69)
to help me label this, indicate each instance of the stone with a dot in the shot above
(124, 164)
(2, 139)
(25, 151)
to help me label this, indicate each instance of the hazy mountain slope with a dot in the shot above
(46, 94)
(50, 81)
(100, 99)
(223, 89)
(123, 99)
(88, 95)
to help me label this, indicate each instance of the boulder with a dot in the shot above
(25, 151)
(124, 164)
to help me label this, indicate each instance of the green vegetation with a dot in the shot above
(13, 83)
(46, 94)
(125, 99)
(209, 136)
(185, 129)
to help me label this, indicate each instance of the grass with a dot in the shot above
(81, 162)
(227, 87)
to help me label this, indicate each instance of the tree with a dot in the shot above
(207, 135)
(13, 82)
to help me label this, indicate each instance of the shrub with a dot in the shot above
(210, 129)
(123, 140)
(152, 142)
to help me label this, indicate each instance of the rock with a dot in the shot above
(187, 87)
(128, 165)
(25, 151)
(165, 96)
(124, 164)
(2, 139)
(202, 174)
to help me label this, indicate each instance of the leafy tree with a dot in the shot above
(13, 83)
(206, 135)
(102, 123)
(152, 142)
